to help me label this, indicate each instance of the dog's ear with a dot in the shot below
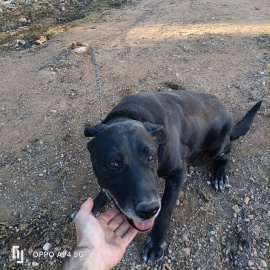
(94, 131)
(157, 131)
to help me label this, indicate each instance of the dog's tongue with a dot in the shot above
(144, 225)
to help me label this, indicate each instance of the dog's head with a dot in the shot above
(125, 161)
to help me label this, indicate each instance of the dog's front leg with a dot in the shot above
(155, 244)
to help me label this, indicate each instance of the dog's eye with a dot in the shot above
(151, 158)
(114, 165)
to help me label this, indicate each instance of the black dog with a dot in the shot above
(147, 136)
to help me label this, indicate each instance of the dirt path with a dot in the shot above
(48, 93)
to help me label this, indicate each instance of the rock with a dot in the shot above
(23, 20)
(262, 263)
(250, 263)
(236, 208)
(47, 247)
(138, 266)
(167, 267)
(41, 40)
(35, 264)
(185, 238)
(186, 251)
(81, 49)
(9, 2)
(20, 42)
(246, 200)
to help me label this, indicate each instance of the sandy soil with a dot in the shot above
(49, 93)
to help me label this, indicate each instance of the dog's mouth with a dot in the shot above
(140, 225)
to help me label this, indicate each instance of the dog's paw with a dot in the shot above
(220, 182)
(153, 252)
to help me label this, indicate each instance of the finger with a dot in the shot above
(108, 216)
(85, 208)
(129, 235)
(122, 229)
(116, 221)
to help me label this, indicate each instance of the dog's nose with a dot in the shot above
(147, 210)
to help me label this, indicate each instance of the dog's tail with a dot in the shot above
(242, 127)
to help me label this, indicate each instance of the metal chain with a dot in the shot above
(98, 83)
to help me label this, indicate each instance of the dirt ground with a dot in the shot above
(49, 93)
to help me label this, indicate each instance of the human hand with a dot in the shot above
(103, 240)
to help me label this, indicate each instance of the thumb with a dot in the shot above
(87, 206)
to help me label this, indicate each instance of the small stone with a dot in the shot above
(167, 267)
(185, 238)
(250, 263)
(138, 266)
(177, 202)
(262, 263)
(34, 264)
(186, 251)
(47, 247)
(20, 42)
(23, 20)
(236, 208)
(80, 48)
(41, 40)
(247, 199)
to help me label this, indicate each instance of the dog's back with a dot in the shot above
(199, 120)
